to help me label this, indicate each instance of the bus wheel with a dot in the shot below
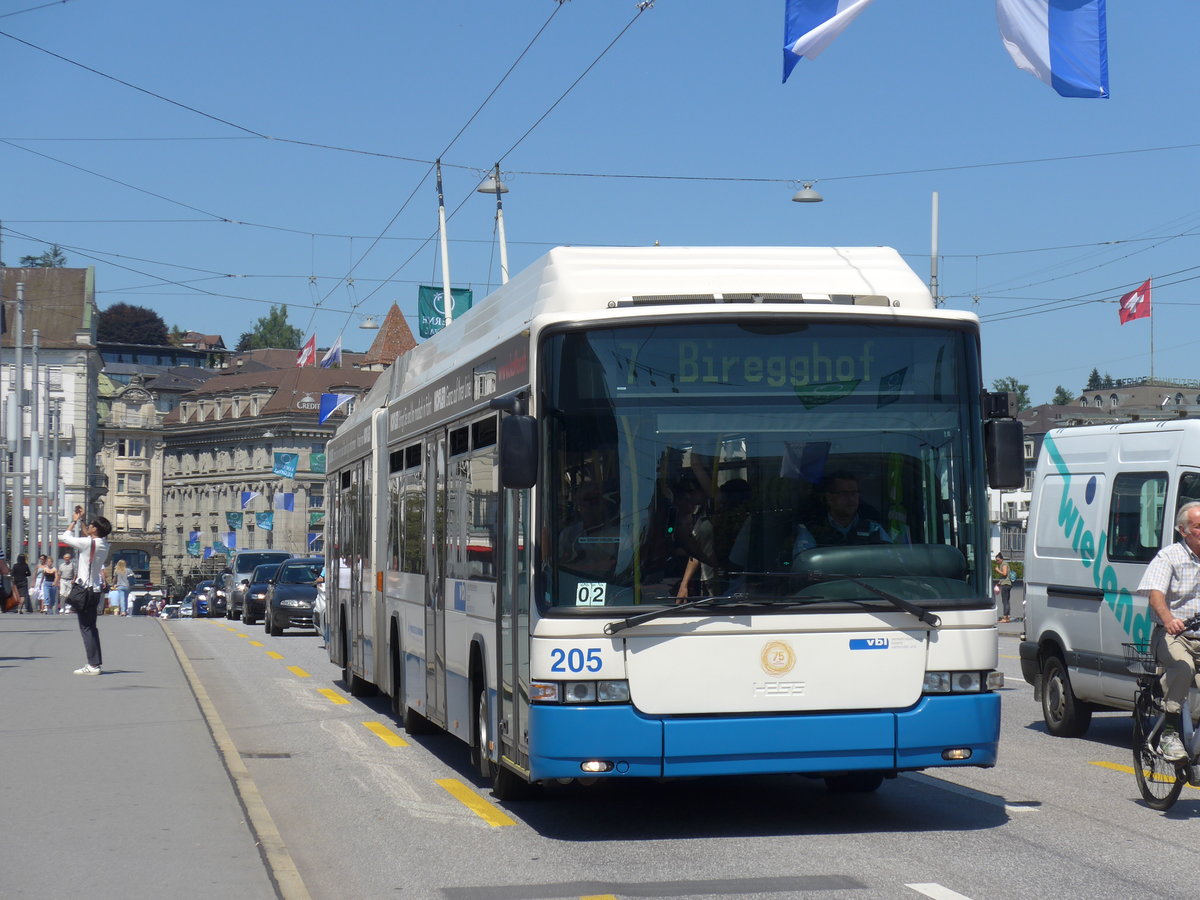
(854, 782)
(507, 785)
(355, 685)
(1065, 716)
(479, 740)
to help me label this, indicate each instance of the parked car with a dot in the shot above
(235, 579)
(255, 592)
(292, 593)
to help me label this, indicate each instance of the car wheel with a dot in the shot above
(1065, 715)
(272, 628)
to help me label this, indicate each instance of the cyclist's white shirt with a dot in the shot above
(1175, 571)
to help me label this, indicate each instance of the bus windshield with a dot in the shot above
(768, 461)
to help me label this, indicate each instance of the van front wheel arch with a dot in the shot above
(1065, 715)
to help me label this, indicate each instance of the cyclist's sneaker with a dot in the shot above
(1170, 746)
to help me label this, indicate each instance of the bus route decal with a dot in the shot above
(871, 643)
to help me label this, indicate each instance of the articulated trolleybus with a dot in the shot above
(589, 527)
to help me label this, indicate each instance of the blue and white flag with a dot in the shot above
(331, 403)
(1063, 43)
(333, 356)
(286, 501)
(247, 496)
(811, 25)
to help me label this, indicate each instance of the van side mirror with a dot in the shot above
(518, 451)
(1004, 447)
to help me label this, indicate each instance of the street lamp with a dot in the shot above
(494, 185)
(806, 194)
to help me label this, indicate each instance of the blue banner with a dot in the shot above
(265, 521)
(285, 464)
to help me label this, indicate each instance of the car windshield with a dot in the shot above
(712, 459)
(264, 573)
(247, 562)
(298, 574)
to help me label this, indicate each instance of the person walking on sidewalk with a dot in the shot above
(20, 577)
(66, 577)
(91, 550)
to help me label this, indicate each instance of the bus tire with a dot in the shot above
(357, 687)
(1065, 715)
(480, 733)
(508, 786)
(854, 782)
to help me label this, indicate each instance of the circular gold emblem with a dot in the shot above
(777, 658)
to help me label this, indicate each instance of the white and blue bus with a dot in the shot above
(584, 527)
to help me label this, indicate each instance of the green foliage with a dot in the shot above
(1062, 397)
(272, 331)
(1011, 385)
(54, 258)
(1094, 382)
(124, 323)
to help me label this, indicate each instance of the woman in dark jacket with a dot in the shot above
(20, 577)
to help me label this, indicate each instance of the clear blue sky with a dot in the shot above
(1040, 250)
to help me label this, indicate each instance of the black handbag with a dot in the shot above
(81, 596)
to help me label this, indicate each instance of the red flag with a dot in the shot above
(308, 353)
(1135, 304)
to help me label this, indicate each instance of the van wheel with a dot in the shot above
(1065, 715)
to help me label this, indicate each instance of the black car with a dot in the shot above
(236, 579)
(291, 594)
(254, 592)
(218, 600)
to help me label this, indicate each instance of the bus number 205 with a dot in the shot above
(575, 660)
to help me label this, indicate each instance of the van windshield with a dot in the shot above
(247, 562)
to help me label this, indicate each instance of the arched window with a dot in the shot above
(1112, 401)
(1179, 399)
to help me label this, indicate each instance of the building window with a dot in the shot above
(130, 447)
(1112, 400)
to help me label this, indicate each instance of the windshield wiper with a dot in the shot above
(924, 615)
(630, 621)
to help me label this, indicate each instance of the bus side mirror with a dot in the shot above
(1004, 445)
(518, 451)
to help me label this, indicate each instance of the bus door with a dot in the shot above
(435, 587)
(513, 628)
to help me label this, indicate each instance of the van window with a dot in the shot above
(1136, 516)
(1189, 489)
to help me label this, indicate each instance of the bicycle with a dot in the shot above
(1159, 780)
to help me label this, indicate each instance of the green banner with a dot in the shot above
(431, 310)
(315, 516)
(233, 520)
(316, 463)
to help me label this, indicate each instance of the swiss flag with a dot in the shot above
(1135, 304)
(308, 353)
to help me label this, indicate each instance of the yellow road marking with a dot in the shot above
(239, 634)
(256, 643)
(599, 897)
(274, 655)
(1128, 770)
(472, 801)
(298, 672)
(385, 734)
(332, 696)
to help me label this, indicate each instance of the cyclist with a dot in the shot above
(1172, 584)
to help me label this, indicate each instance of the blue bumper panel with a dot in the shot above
(739, 745)
(574, 734)
(561, 737)
(938, 723)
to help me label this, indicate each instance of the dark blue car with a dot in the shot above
(291, 594)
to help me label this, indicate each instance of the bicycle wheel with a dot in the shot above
(1159, 780)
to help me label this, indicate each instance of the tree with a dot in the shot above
(1062, 397)
(1011, 385)
(54, 258)
(124, 323)
(272, 330)
(1107, 382)
(175, 336)
(1093, 382)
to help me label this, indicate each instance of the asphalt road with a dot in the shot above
(365, 810)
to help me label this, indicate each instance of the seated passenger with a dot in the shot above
(842, 522)
(590, 542)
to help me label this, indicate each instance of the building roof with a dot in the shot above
(59, 303)
(395, 339)
(292, 390)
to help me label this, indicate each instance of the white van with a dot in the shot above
(1104, 501)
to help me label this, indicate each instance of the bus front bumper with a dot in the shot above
(565, 738)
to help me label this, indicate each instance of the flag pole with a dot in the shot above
(447, 296)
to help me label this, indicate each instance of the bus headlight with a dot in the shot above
(962, 682)
(577, 692)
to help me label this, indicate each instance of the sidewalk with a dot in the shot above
(111, 786)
